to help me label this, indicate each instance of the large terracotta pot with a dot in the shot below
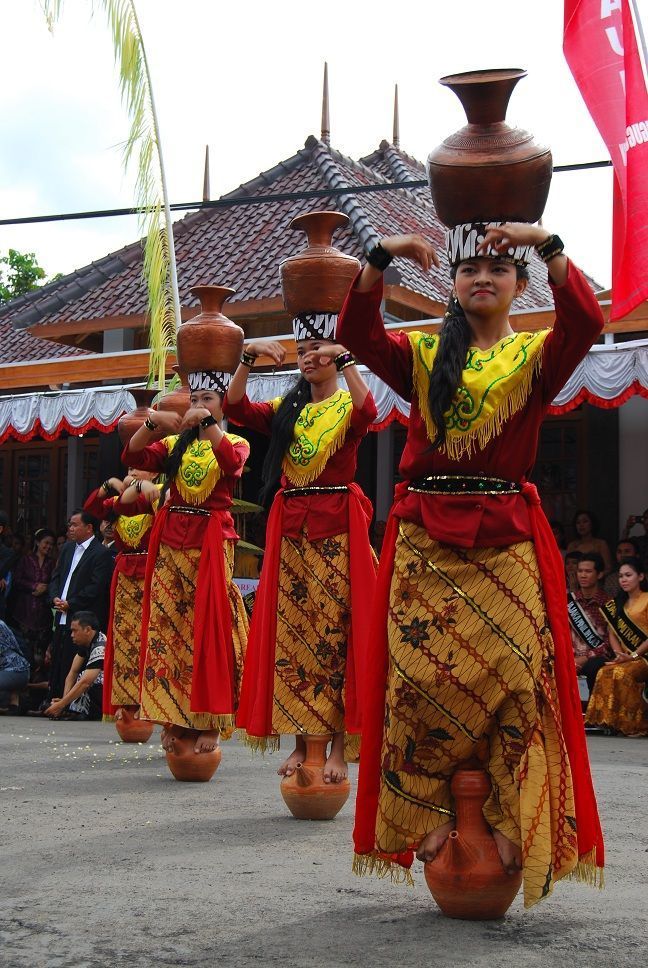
(318, 278)
(131, 728)
(192, 767)
(209, 341)
(466, 877)
(306, 794)
(488, 171)
(131, 422)
(175, 401)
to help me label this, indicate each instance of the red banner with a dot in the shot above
(600, 46)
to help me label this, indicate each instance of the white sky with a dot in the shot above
(245, 77)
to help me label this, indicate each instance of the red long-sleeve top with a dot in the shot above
(186, 530)
(465, 520)
(321, 515)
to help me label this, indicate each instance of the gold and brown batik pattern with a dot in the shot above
(168, 665)
(126, 636)
(617, 699)
(471, 675)
(313, 619)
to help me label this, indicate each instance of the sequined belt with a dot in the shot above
(186, 510)
(461, 484)
(129, 554)
(314, 489)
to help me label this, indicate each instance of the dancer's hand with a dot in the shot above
(166, 420)
(270, 348)
(413, 247)
(511, 234)
(193, 417)
(326, 353)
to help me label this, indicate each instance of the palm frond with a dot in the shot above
(143, 147)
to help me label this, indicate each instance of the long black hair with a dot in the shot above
(454, 340)
(638, 567)
(173, 461)
(283, 426)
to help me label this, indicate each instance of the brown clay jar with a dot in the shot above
(175, 401)
(306, 794)
(318, 278)
(209, 341)
(131, 728)
(488, 171)
(466, 877)
(131, 422)
(192, 767)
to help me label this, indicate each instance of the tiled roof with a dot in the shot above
(16, 346)
(242, 246)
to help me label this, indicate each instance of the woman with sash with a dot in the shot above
(619, 701)
(194, 626)
(311, 614)
(472, 658)
(132, 528)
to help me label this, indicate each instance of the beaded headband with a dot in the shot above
(462, 242)
(314, 326)
(214, 380)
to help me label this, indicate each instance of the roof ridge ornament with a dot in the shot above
(326, 121)
(206, 188)
(396, 127)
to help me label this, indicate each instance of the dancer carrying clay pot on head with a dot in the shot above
(473, 658)
(132, 528)
(312, 609)
(194, 625)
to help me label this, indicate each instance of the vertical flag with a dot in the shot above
(600, 46)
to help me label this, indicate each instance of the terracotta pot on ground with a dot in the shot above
(209, 341)
(132, 729)
(488, 171)
(306, 794)
(131, 422)
(192, 767)
(466, 877)
(318, 278)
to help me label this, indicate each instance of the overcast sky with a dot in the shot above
(246, 77)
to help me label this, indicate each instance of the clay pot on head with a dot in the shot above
(132, 729)
(488, 171)
(466, 877)
(175, 401)
(318, 278)
(209, 341)
(131, 422)
(192, 767)
(306, 794)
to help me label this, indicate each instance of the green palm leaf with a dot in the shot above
(143, 145)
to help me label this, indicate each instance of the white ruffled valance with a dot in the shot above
(607, 377)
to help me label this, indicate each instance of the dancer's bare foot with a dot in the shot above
(335, 768)
(295, 759)
(510, 853)
(206, 741)
(432, 844)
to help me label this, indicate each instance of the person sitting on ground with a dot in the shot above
(641, 540)
(82, 695)
(588, 627)
(626, 548)
(571, 564)
(586, 526)
(14, 670)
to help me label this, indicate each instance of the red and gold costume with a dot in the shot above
(311, 614)
(472, 651)
(194, 626)
(132, 528)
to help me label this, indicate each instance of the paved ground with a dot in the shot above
(105, 861)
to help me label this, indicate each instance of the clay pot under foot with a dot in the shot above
(466, 878)
(306, 794)
(132, 729)
(192, 767)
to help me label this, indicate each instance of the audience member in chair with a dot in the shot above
(588, 627)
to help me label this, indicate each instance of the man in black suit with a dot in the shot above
(81, 582)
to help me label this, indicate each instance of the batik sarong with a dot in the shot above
(126, 636)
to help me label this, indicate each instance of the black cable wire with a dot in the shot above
(263, 199)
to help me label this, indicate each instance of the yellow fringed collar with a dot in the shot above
(495, 384)
(199, 470)
(320, 431)
(131, 529)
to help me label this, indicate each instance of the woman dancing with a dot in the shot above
(473, 656)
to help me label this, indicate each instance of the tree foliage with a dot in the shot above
(19, 273)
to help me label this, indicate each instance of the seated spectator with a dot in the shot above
(571, 564)
(626, 548)
(14, 669)
(30, 612)
(82, 695)
(586, 526)
(589, 631)
(642, 540)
